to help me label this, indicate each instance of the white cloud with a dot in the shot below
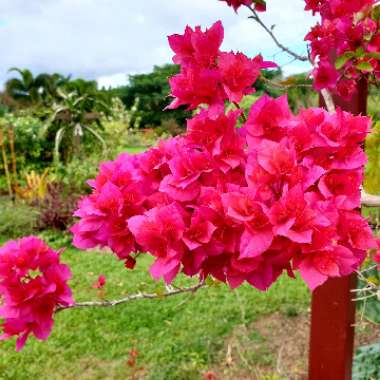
(114, 80)
(108, 39)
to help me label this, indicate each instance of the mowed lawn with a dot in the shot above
(176, 338)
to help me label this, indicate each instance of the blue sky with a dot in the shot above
(109, 39)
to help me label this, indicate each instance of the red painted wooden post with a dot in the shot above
(332, 311)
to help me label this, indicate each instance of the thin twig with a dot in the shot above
(361, 290)
(369, 268)
(244, 118)
(363, 278)
(284, 86)
(370, 287)
(370, 200)
(329, 101)
(133, 297)
(256, 17)
(364, 297)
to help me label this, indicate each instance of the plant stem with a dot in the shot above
(244, 118)
(256, 17)
(134, 297)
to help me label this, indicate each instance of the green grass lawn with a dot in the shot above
(177, 338)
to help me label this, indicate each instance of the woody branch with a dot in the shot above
(170, 292)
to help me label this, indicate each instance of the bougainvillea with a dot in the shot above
(239, 198)
(344, 45)
(239, 204)
(33, 283)
(348, 35)
(100, 282)
(259, 5)
(236, 4)
(208, 75)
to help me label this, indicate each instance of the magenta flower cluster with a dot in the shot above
(242, 204)
(349, 30)
(239, 199)
(33, 283)
(208, 75)
(258, 5)
(344, 45)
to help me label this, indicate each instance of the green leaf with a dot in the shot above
(373, 55)
(359, 52)
(209, 281)
(212, 282)
(364, 66)
(343, 59)
(373, 280)
(365, 365)
(376, 13)
(160, 293)
(371, 306)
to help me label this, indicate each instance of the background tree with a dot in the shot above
(25, 88)
(74, 115)
(152, 89)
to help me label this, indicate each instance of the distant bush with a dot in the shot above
(56, 210)
(16, 219)
(152, 89)
(33, 151)
(169, 127)
(74, 175)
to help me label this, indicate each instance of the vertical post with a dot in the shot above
(333, 311)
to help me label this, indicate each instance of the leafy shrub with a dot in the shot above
(140, 138)
(16, 219)
(152, 89)
(3, 109)
(366, 363)
(370, 307)
(35, 186)
(3, 185)
(57, 208)
(75, 174)
(32, 150)
(120, 135)
(169, 127)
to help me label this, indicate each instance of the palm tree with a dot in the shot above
(32, 90)
(24, 89)
(74, 115)
(81, 86)
(48, 84)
